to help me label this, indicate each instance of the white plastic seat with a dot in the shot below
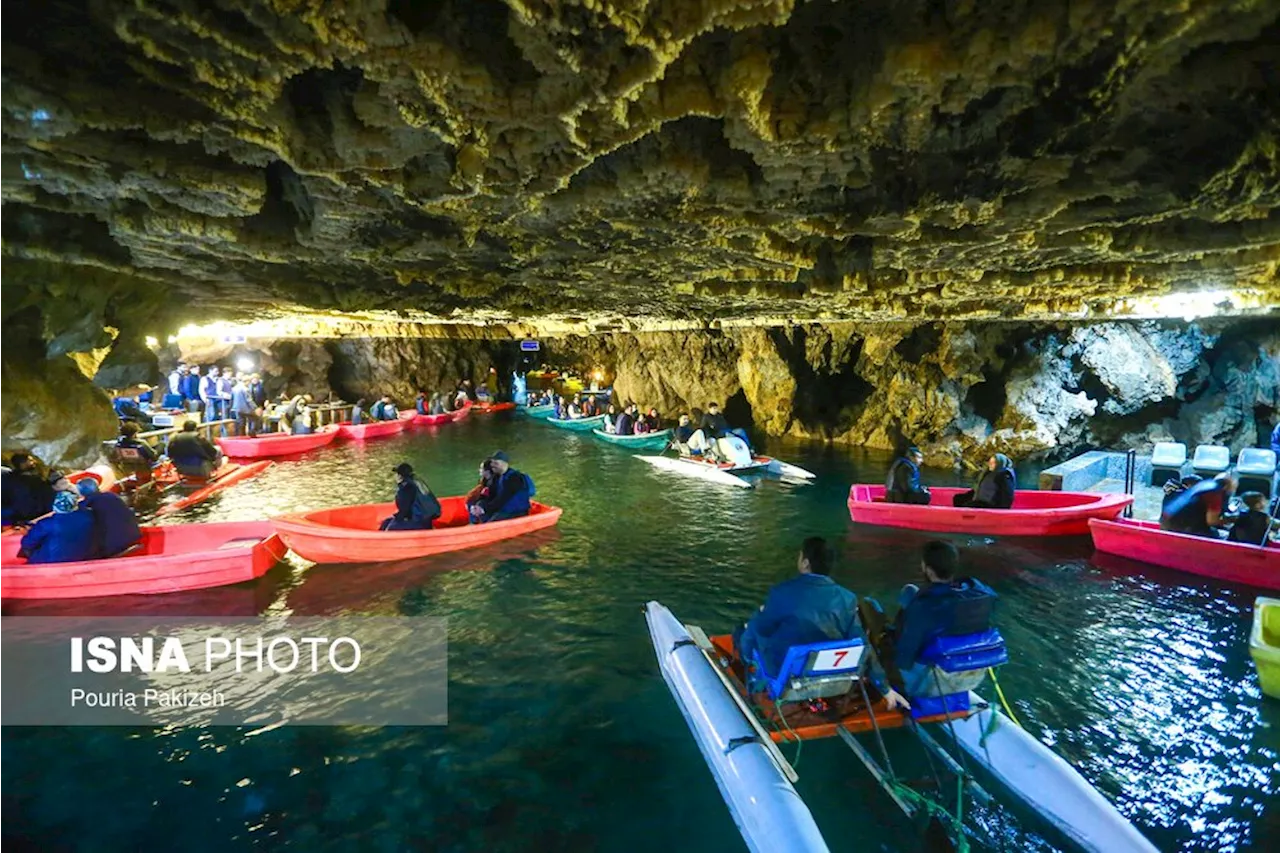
(1256, 462)
(1211, 459)
(1167, 459)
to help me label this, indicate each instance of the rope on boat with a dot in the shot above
(1008, 709)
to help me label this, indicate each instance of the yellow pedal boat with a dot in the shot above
(1264, 644)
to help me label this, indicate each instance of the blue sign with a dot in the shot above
(530, 346)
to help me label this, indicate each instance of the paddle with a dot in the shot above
(1271, 522)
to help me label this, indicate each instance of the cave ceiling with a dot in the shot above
(663, 160)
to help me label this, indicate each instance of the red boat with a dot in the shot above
(350, 534)
(169, 559)
(228, 475)
(408, 416)
(276, 444)
(1145, 542)
(375, 429)
(490, 408)
(1034, 513)
(432, 420)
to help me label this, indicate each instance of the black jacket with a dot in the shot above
(714, 426)
(415, 500)
(1251, 528)
(903, 480)
(189, 448)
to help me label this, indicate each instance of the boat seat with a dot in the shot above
(1256, 471)
(1167, 460)
(814, 670)
(1211, 459)
(958, 664)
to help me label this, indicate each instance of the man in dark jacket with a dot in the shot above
(115, 527)
(1197, 510)
(626, 422)
(510, 493)
(189, 388)
(947, 605)
(1252, 526)
(903, 483)
(134, 455)
(26, 495)
(193, 455)
(416, 506)
(64, 537)
(808, 608)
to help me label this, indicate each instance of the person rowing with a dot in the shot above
(133, 455)
(1197, 510)
(995, 489)
(902, 486)
(416, 506)
(807, 608)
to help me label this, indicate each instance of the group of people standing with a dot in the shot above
(220, 393)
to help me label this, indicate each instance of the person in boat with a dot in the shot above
(655, 421)
(642, 425)
(358, 412)
(480, 491)
(946, 605)
(482, 394)
(574, 410)
(295, 416)
(421, 405)
(683, 434)
(66, 536)
(902, 486)
(243, 409)
(1197, 509)
(807, 608)
(1254, 524)
(626, 422)
(192, 454)
(60, 482)
(133, 455)
(115, 527)
(384, 409)
(460, 399)
(995, 489)
(510, 493)
(439, 403)
(715, 426)
(590, 406)
(26, 494)
(416, 506)
(611, 419)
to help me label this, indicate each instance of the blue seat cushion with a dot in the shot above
(936, 706)
(964, 652)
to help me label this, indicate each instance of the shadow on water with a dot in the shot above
(562, 735)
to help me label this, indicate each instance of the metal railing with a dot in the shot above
(325, 414)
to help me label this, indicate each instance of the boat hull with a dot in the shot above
(376, 429)
(493, 408)
(644, 441)
(1264, 644)
(1046, 783)
(1034, 513)
(172, 559)
(538, 411)
(577, 424)
(276, 444)
(351, 535)
(237, 474)
(1145, 542)
(700, 470)
(768, 811)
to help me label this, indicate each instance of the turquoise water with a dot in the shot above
(562, 735)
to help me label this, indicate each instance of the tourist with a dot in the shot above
(715, 426)
(175, 378)
(358, 411)
(192, 454)
(190, 389)
(295, 416)
(683, 434)
(642, 426)
(480, 491)
(626, 422)
(510, 493)
(384, 409)
(1254, 524)
(995, 489)
(226, 384)
(26, 495)
(437, 404)
(902, 486)
(257, 392)
(133, 455)
(59, 482)
(655, 422)
(209, 395)
(66, 536)
(420, 404)
(589, 406)
(243, 409)
(807, 608)
(416, 506)
(460, 399)
(1197, 509)
(947, 604)
(575, 409)
(115, 527)
(611, 419)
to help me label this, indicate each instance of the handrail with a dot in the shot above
(328, 413)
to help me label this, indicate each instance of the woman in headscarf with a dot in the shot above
(996, 487)
(480, 490)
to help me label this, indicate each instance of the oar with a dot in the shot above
(1271, 522)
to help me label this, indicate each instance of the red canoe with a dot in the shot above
(276, 443)
(376, 429)
(490, 408)
(230, 474)
(432, 420)
(460, 413)
(350, 534)
(1034, 513)
(1145, 542)
(171, 559)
